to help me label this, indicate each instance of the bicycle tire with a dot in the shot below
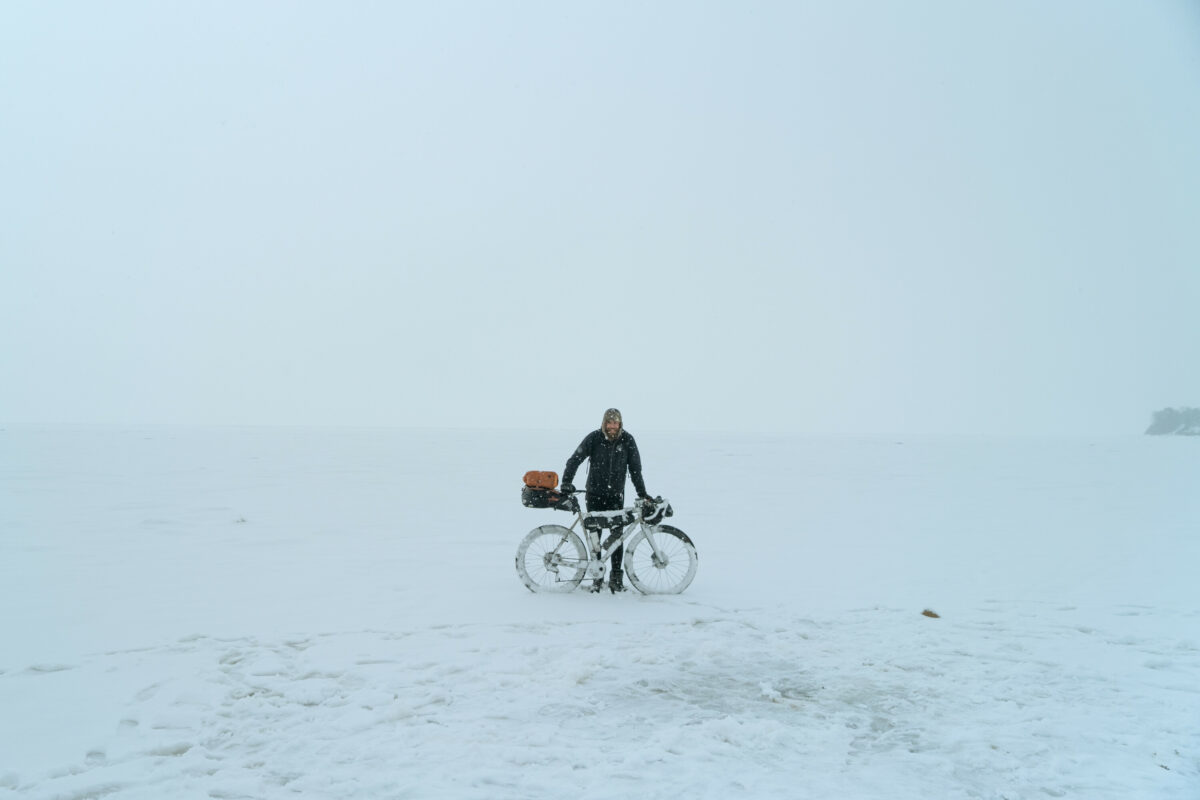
(647, 574)
(551, 558)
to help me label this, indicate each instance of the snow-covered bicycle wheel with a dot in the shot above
(670, 574)
(551, 559)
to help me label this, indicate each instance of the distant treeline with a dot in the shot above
(1184, 421)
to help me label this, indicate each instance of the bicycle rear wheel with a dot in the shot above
(670, 574)
(551, 559)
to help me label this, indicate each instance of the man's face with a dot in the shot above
(611, 428)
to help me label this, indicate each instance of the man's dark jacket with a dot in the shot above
(608, 464)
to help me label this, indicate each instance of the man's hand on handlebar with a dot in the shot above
(567, 488)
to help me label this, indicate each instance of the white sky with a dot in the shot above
(820, 217)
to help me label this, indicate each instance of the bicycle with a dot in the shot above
(659, 559)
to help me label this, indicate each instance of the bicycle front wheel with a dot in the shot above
(665, 565)
(551, 559)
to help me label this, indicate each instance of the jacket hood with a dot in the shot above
(609, 416)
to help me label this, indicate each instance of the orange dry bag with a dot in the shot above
(541, 480)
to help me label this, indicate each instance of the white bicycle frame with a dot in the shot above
(598, 553)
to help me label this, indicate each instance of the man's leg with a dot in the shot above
(616, 573)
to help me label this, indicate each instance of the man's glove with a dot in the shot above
(566, 488)
(646, 498)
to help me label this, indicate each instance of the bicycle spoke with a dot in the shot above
(551, 559)
(661, 561)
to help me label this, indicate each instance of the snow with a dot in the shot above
(268, 613)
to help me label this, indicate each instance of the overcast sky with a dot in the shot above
(897, 217)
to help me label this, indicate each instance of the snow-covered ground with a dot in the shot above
(268, 613)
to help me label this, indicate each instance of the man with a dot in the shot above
(611, 452)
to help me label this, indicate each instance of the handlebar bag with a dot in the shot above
(532, 497)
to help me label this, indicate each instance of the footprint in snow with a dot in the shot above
(46, 669)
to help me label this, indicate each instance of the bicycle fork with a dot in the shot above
(659, 559)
